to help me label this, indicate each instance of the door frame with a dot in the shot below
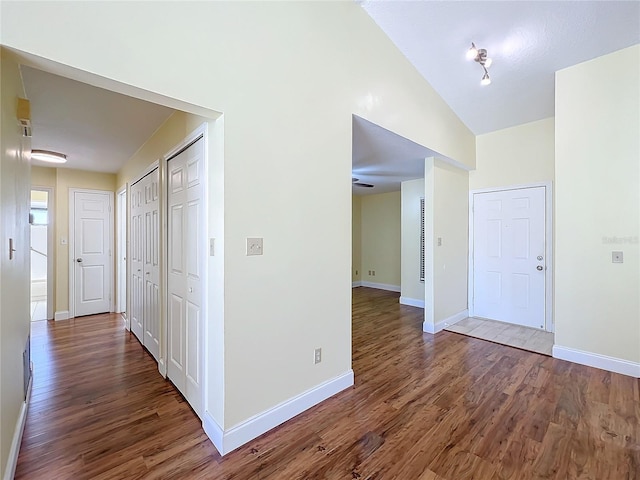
(548, 187)
(72, 276)
(201, 130)
(121, 249)
(50, 246)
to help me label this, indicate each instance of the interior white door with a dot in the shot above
(186, 262)
(508, 256)
(151, 265)
(92, 252)
(136, 258)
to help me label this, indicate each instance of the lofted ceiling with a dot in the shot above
(97, 129)
(527, 40)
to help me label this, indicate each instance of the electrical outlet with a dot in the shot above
(439, 241)
(373, 273)
(212, 247)
(317, 355)
(356, 272)
(254, 246)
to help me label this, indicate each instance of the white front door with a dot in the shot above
(509, 256)
(91, 256)
(186, 264)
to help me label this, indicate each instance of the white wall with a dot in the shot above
(597, 169)
(288, 76)
(518, 155)
(446, 269)
(412, 289)
(14, 273)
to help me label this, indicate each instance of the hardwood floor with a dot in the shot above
(423, 408)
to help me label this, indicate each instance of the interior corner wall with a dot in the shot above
(380, 216)
(288, 76)
(411, 287)
(518, 155)
(450, 242)
(14, 273)
(356, 238)
(597, 170)
(66, 179)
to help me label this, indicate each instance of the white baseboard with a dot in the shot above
(63, 315)
(356, 284)
(442, 324)
(412, 302)
(226, 441)
(381, 286)
(12, 460)
(603, 362)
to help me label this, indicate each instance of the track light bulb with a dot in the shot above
(472, 52)
(487, 62)
(485, 79)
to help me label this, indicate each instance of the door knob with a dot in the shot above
(539, 257)
(539, 267)
(79, 260)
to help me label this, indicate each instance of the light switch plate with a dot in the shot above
(254, 246)
(616, 257)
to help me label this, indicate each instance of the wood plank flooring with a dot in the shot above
(445, 407)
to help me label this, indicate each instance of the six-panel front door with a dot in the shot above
(91, 256)
(509, 256)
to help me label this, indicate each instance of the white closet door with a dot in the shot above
(151, 268)
(186, 262)
(137, 264)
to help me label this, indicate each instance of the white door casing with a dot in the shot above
(91, 238)
(510, 256)
(185, 270)
(136, 260)
(121, 251)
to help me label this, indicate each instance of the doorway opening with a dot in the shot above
(41, 285)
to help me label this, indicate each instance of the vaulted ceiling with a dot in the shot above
(528, 42)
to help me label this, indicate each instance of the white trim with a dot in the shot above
(356, 284)
(413, 302)
(226, 441)
(381, 286)
(12, 460)
(121, 249)
(603, 362)
(442, 324)
(63, 315)
(548, 200)
(71, 271)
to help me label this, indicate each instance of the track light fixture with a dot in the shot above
(479, 55)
